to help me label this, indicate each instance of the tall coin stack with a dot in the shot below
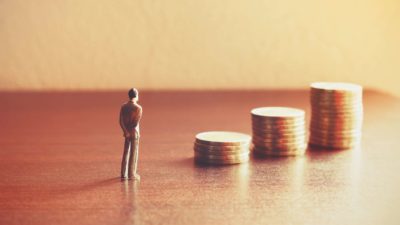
(278, 131)
(221, 148)
(336, 115)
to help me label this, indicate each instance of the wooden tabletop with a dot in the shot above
(60, 157)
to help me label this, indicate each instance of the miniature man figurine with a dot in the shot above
(129, 117)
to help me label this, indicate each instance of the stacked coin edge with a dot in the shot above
(336, 115)
(279, 134)
(221, 152)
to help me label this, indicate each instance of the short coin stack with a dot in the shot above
(278, 131)
(337, 115)
(221, 148)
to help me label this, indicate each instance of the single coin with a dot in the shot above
(222, 138)
(274, 139)
(335, 136)
(336, 101)
(333, 125)
(336, 113)
(335, 97)
(221, 162)
(279, 139)
(288, 149)
(338, 129)
(278, 132)
(260, 125)
(334, 141)
(325, 132)
(278, 112)
(331, 120)
(278, 122)
(302, 148)
(281, 126)
(221, 147)
(337, 109)
(332, 130)
(277, 145)
(323, 146)
(326, 142)
(336, 87)
(225, 152)
(278, 153)
(328, 147)
(221, 157)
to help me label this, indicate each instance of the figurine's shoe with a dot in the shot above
(136, 177)
(124, 178)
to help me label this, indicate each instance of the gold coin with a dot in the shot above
(328, 120)
(265, 126)
(337, 103)
(278, 153)
(278, 137)
(335, 98)
(221, 157)
(278, 123)
(288, 145)
(333, 112)
(324, 122)
(257, 128)
(271, 119)
(222, 138)
(338, 137)
(220, 152)
(332, 132)
(335, 135)
(331, 142)
(222, 162)
(302, 147)
(331, 96)
(277, 131)
(222, 147)
(281, 138)
(334, 140)
(329, 147)
(336, 88)
(335, 127)
(277, 113)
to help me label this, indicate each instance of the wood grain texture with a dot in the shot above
(60, 157)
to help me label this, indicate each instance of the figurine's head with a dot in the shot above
(133, 94)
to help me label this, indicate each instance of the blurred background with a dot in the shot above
(207, 44)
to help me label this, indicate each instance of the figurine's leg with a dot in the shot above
(134, 160)
(125, 158)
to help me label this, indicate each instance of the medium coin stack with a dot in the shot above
(336, 115)
(221, 148)
(278, 131)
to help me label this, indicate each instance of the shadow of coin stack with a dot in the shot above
(336, 115)
(278, 131)
(221, 148)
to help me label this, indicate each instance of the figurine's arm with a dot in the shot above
(137, 119)
(121, 123)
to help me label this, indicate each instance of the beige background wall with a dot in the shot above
(212, 44)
